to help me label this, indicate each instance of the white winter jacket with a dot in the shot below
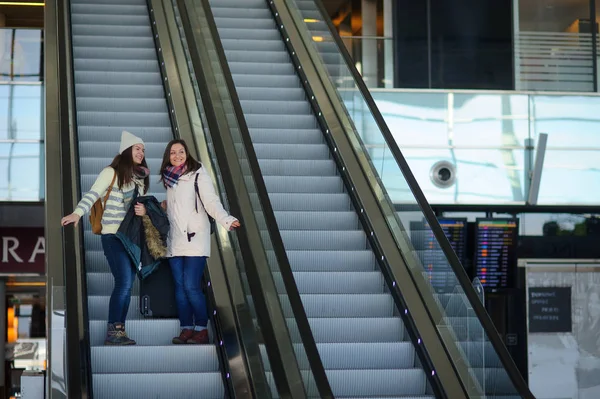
(183, 218)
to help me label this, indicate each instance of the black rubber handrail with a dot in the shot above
(278, 345)
(233, 327)
(297, 307)
(79, 373)
(463, 279)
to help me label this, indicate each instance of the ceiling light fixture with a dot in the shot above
(19, 3)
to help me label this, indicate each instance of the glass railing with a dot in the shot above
(206, 55)
(465, 329)
(372, 55)
(491, 140)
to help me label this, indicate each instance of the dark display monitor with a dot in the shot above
(496, 252)
(431, 254)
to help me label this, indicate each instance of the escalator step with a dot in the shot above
(357, 330)
(266, 57)
(101, 30)
(272, 94)
(118, 78)
(119, 91)
(254, 80)
(332, 261)
(297, 167)
(82, 64)
(91, 104)
(316, 220)
(346, 283)
(310, 202)
(270, 107)
(110, 9)
(304, 184)
(250, 23)
(98, 307)
(155, 359)
(103, 19)
(113, 53)
(158, 385)
(151, 332)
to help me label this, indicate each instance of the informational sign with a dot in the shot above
(550, 309)
(496, 252)
(561, 364)
(22, 250)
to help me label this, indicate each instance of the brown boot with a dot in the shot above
(185, 335)
(116, 335)
(199, 338)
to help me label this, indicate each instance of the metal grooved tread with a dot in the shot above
(118, 86)
(360, 339)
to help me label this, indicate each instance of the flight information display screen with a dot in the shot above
(431, 255)
(496, 252)
(456, 231)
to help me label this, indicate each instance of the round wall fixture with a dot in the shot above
(443, 174)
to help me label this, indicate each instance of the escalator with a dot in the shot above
(113, 65)
(118, 86)
(302, 102)
(362, 342)
(325, 262)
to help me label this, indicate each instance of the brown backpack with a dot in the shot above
(98, 209)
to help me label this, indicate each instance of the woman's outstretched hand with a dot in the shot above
(235, 225)
(72, 218)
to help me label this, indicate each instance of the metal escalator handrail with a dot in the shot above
(242, 370)
(430, 217)
(268, 310)
(294, 298)
(79, 374)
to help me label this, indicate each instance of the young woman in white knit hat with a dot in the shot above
(127, 170)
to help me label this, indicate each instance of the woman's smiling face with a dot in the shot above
(177, 155)
(137, 153)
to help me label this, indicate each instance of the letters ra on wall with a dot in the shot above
(23, 250)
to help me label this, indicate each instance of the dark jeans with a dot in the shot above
(124, 275)
(191, 303)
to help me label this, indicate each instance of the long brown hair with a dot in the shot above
(190, 163)
(123, 165)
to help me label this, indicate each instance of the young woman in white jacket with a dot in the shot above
(188, 243)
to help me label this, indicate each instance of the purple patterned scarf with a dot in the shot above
(141, 172)
(172, 173)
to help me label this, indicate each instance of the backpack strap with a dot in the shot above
(197, 194)
(108, 191)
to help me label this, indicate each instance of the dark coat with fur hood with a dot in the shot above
(145, 238)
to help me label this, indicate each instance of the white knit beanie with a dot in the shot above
(128, 140)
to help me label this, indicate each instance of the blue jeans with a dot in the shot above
(191, 303)
(124, 275)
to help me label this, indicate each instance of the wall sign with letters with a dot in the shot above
(22, 250)
(549, 309)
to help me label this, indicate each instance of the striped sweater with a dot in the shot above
(117, 203)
